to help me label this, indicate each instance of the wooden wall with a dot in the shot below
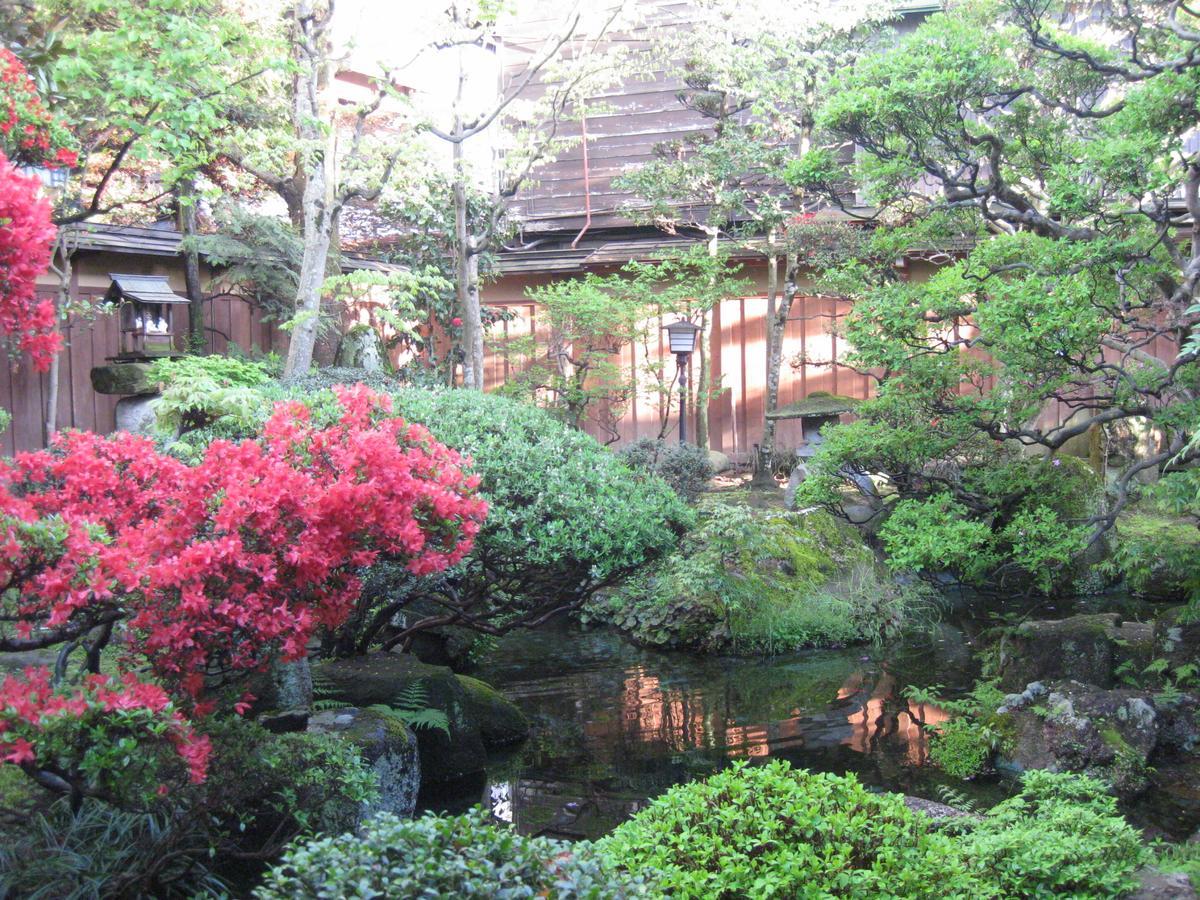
(228, 320)
(738, 347)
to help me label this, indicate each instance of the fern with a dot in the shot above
(410, 707)
(957, 799)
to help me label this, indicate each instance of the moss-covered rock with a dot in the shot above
(478, 717)
(388, 746)
(1084, 648)
(758, 580)
(499, 720)
(1112, 735)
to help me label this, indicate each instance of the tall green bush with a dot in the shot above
(566, 516)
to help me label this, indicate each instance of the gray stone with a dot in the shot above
(388, 746)
(719, 461)
(360, 349)
(283, 695)
(1108, 734)
(939, 812)
(797, 476)
(122, 378)
(1156, 885)
(1081, 648)
(136, 414)
(479, 717)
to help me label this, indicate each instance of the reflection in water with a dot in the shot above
(615, 725)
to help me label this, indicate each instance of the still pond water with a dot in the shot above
(615, 725)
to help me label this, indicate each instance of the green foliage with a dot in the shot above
(100, 851)
(685, 467)
(771, 830)
(1000, 517)
(1062, 835)
(444, 856)
(197, 390)
(260, 256)
(562, 508)
(267, 788)
(411, 706)
(1157, 555)
(1183, 858)
(1045, 299)
(758, 582)
(964, 746)
(935, 534)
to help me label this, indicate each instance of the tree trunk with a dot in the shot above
(702, 382)
(61, 266)
(320, 202)
(191, 268)
(763, 476)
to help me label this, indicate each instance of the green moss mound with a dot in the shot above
(759, 581)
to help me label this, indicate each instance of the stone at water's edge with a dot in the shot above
(1156, 885)
(1086, 648)
(1066, 726)
(479, 717)
(1176, 637)
(388, 746)
(938, 812)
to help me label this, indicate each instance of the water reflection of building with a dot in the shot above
(885, 715)
(871, 712)
(640, 734)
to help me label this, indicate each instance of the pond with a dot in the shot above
(615, 725)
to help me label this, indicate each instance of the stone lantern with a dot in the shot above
(146, 309)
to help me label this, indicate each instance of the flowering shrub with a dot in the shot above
(29, 134)
(26, 234)
(215, 568)
(84, 736)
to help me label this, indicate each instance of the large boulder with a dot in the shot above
(478, 717)
(388, 746)
(1085, 648)
(1068, 726)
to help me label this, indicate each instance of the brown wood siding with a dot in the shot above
(229, 320)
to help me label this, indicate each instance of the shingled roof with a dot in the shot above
(143, 240)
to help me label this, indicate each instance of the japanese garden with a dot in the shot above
(628, 449)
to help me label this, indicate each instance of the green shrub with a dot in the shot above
(1157, 555)
(965, 745)
(198, 390)
(774, 831)
(268, 788)
(685, 467)
(759, 581)
(1061, 836)
(1023, 519)
(443, 856)
(963, 748)
(566, 516)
